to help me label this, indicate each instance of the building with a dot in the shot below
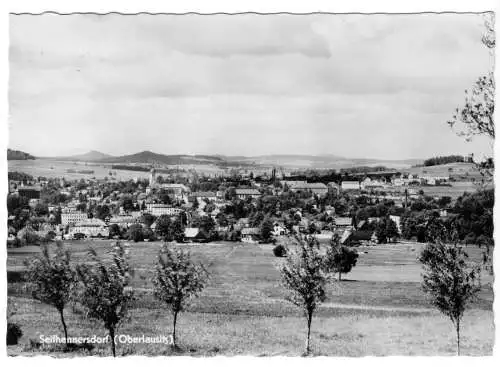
(123, 221)
(70, 217)
(316, 188)
(398, 181)
(177, 189)
(152, 177)
(162, 209)
(361, 237)
(90, 228)
(30, 192)
(250, 235)
(431, 180)
(291, 184)
(368, 184)
(333, 187)
(204, 195)
(343, 222)
(350, 185)
(247, 193)
(190, 233)
(396, 219)
(13, 185)
(278, 229)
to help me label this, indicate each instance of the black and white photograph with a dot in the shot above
(250, 184)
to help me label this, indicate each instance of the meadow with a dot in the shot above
(52, 168)
(378, 308)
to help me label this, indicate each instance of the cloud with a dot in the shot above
(307, 81)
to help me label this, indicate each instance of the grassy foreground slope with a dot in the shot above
(379, 309)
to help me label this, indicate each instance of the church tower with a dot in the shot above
(152, 177)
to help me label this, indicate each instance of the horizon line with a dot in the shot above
(333, 155)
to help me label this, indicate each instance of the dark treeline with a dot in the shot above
(17, 155)
(19, 176)
(130, 168)
(345, 174)
(471, 216)
(443, 160)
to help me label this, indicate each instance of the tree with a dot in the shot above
(302, 274)
(177, 279)
(164, 197)
(207, 228)
(381, 232)
(221, 219)
(41, 209)
(312, 228)
(279, 250)
(81, 206)
(391, 230)
(386, 230)
(195, 204)
(15, 202)
(105, 290)
(450, 281)
(52, 279)
(163, 224)
(444, 201)
(266, 230)
(435, 230)
(128, 204)
(114, 230)
(28, 237)
(339, 259)
(177, 230)
(148, 219)
(102, 211)
(135, 233)
(207, 224)
(476, 115)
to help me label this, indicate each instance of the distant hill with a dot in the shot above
(17, 155)
(156, 158)
(91, 156)
(322, 161)
(291, 161)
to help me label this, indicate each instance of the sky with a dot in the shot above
(357, 86)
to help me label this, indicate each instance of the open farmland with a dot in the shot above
(378, 310)
(55, 169)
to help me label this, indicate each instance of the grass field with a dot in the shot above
(55, 169)
(378, 310)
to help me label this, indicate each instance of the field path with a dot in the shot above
(376, 308)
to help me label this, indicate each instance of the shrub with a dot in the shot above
(16, 276)
(279, 251)
(14, 333)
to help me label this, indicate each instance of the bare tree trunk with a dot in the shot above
(61, 313)
(175, 325)
(340, 276)
(112, 336)
(309, 320)
(458, 336)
